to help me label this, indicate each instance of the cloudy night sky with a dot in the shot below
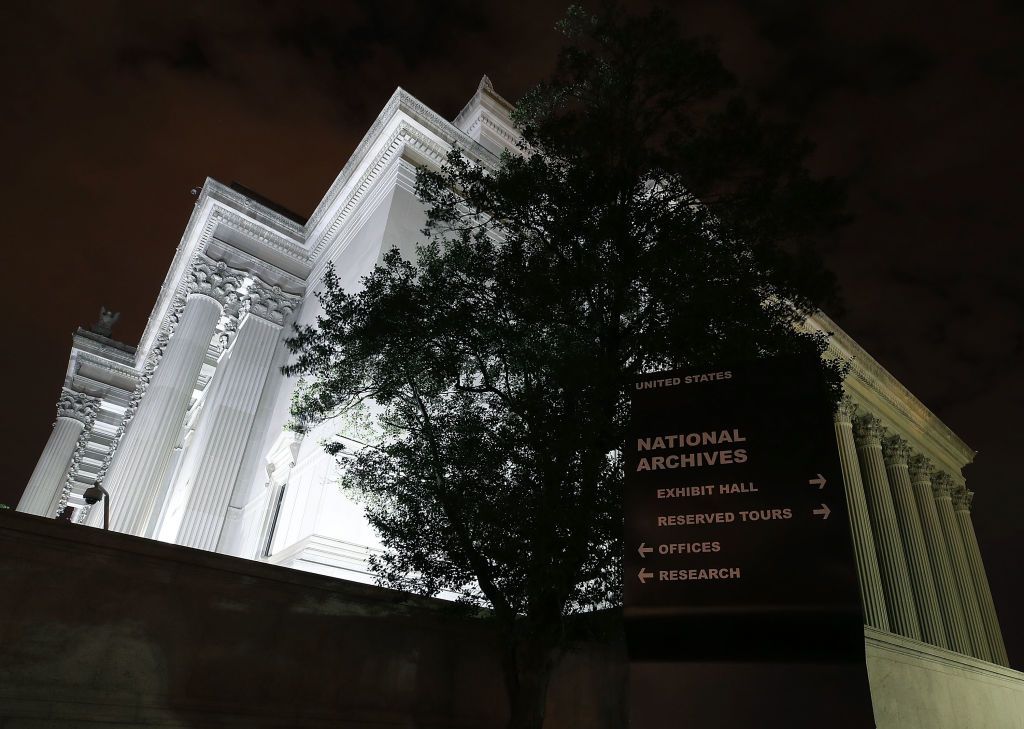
(116, 110)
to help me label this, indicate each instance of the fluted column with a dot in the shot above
(892, 561)
(896, 452)
(871, 595)
(962, 499)
(938, 553)
(231, 415)
(942, 485)
(136, 473)
(75, 412)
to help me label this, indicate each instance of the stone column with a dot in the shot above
(896, 452)
(942, 485)
(962, 499)
(75, 413)
(136, 473)
(892, 561)
(871, 595)
(942, 567)
(243, 371)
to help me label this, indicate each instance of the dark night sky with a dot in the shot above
(116, 110)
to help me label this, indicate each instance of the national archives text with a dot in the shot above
(187, 432)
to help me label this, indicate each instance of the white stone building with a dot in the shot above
(186, 430)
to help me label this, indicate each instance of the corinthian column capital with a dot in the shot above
(868, 430)
(920, 468)
(77, 405)
(896, 451)
(216, 280)
(269, 302)
(845, 410)
(962, 498)
(942, 484)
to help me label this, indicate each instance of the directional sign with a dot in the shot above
(741, 594)
(735, 510)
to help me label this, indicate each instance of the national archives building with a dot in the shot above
(186, 430)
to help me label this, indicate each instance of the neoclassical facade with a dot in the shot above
(187, 431)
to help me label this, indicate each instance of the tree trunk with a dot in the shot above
(529, 661)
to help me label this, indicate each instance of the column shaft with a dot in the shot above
(135, 474)
(942, 566)
(48, 477)
(896, 451)
(892, 560)
(989, 618)
(871, 594)
(942, 483)
(231, 415)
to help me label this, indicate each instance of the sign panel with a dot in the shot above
(737, 538)
(735, 517)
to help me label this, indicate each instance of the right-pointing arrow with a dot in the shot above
(823, 512)
(644, 550)
(644, 575)
(819, 482)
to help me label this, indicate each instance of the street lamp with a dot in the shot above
(93, 494)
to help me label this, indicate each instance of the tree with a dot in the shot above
(651, 220)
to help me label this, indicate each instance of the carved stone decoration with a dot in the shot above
(868, 430)
(896, 450)
(269, 302)
(920, 468)
(226, 332)
(82, 408)
(845, 410)
(942, 484)
(962, 498)
(216, 280)
(77, 405)
(104, 326)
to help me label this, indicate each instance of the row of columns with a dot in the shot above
(136, 472)
(918, 561)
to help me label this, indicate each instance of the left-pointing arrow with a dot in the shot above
(644, 575)
(644, 550)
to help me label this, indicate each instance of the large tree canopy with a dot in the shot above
(650, 220)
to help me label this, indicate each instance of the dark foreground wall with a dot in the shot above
(101, 629)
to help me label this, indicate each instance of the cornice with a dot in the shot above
(400, 102)
(258, 213)
(260, 233)
(866, 372)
